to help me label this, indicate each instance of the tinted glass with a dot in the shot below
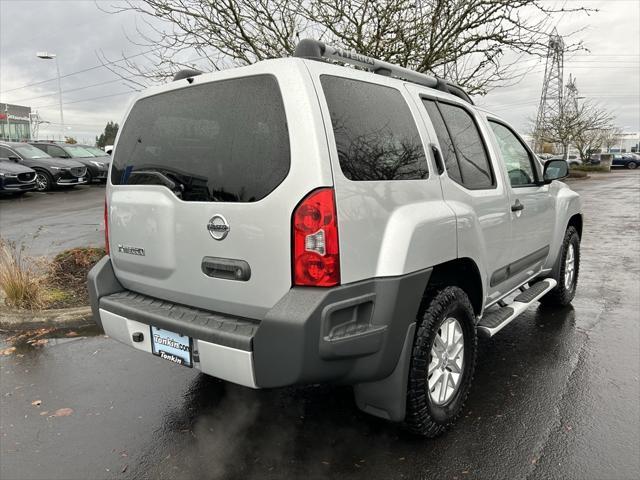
(225, 141)
(376, 136)
(472, 157)
(54, 150)
(514, 155)
(446, 145)
(6, 153)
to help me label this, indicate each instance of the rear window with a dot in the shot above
(475, 168)
(225, 141)
(375, 134)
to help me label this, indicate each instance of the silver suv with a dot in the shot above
(297, 221)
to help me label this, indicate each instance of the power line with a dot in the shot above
(85, 99)
(74, 89)
(82, 71)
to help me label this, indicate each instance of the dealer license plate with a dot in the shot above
(171, 346)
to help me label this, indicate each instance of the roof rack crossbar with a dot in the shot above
(314, 49)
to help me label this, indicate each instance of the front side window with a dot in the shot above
(475, 168)
(376, 136)
(514, 156)
(55, 151)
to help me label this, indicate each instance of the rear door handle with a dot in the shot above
(516, 207)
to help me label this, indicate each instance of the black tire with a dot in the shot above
(44, 181)
(561, 295)
(632, 165)
(423, 416)
(89, 177)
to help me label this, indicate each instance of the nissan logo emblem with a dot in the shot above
(218, 227)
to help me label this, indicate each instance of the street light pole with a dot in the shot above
(53, 56)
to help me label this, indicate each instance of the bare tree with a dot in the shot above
(580, 125)
(587, 142)
(611, 137)
(466, 41)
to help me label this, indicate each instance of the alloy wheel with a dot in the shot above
(41, 182)
(446, 362)
(569, 267)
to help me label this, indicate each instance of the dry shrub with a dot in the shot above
(67, 278)
(19, 279)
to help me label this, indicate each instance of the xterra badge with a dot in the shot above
(131, 250)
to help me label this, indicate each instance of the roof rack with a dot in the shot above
(316, 50)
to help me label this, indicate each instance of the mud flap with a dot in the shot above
(387, 398)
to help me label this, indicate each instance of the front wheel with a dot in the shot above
(43, 181)
(443, 360)
(568, 270)
(632, 165)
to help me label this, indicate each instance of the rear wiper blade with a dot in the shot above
(175, 187)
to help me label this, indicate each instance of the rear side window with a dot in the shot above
(375, 134)
(446, 144)
(475, 169)
(224, 141)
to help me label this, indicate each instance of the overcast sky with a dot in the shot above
(609, 74)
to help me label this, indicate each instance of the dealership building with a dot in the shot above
(15, 122)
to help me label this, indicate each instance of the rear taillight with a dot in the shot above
(316, 254)
(106, 227)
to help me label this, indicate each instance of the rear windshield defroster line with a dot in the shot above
(224, 141)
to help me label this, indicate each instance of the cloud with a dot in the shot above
(75, 30)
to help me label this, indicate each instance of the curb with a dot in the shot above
(11, 319)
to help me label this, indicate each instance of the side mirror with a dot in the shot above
(555, 170)
(14, 159)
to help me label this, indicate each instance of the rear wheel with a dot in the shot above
(632, 165)
(567, 277)
(442, 362)
(43, 181)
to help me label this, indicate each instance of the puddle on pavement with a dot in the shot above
(29, 340)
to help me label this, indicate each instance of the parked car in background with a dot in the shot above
(96, 169)
(626, 160)
(98, 152)
(16, 179)
(572, 160)
(50, 172)
(102, 158)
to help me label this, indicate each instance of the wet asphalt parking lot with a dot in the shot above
(556, 394)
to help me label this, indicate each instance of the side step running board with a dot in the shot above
(496, 320)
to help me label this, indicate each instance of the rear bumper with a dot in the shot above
(349, 334)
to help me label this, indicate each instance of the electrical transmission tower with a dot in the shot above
(551, 100)
(571, 97)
